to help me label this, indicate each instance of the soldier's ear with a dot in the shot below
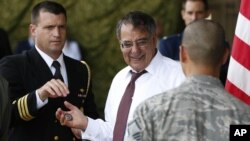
(225, 56)
(182, 54)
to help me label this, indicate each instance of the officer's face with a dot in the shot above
(50, 33)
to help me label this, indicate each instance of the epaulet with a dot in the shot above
(89, 75)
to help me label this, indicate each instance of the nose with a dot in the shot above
(194, 17)
(135, 47)
(56, 32)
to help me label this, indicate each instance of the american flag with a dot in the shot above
(238, 78)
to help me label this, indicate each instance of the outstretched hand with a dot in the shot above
(79, 120)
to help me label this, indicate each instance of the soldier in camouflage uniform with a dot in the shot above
(199, 109)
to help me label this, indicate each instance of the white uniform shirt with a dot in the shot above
(162, 74)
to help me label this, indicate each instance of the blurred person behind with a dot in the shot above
(25, 44)
(73, 49)
(191, 10)
(5, 48)
(5, 110)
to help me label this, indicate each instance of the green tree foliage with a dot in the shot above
(92, 23)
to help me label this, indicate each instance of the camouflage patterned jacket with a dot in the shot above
(198, 110)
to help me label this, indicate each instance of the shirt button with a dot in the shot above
(74, 139)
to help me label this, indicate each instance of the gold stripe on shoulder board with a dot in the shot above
(89, 75)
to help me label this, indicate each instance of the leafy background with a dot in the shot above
(92, 23)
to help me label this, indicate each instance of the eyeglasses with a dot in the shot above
(143, 42)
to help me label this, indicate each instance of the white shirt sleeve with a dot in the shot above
(40, 103)
(98, 130)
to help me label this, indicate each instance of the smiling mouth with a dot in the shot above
(56, 42)
(138, 57)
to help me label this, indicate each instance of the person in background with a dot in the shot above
(25, 45)
(159, 31)
(191, 10)
(5, 111)
(73, 49)
(136, 33)
(199, 109)
(42, 78)
(5, 48)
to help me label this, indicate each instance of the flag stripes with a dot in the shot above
(241, 52)
(238, 78)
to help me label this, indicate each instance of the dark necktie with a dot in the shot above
(57, 74)
(123, 110)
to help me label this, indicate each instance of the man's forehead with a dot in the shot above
(132, 28)
(194, 5)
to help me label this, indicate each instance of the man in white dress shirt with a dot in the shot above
(136, 33)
